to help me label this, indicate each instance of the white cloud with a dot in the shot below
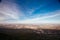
(39, 20)
(9, 10)
(42, 19)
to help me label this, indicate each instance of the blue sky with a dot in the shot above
(30, 11)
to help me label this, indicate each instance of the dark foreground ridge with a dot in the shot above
(29, 34)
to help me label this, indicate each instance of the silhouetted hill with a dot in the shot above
(29, 34)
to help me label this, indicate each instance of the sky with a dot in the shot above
(30, 11)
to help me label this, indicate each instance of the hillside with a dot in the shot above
(16, 32)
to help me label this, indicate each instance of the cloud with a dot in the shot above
(32, 10)
(42, 19)
(9, 10)
(10, 13)
(39, 20)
